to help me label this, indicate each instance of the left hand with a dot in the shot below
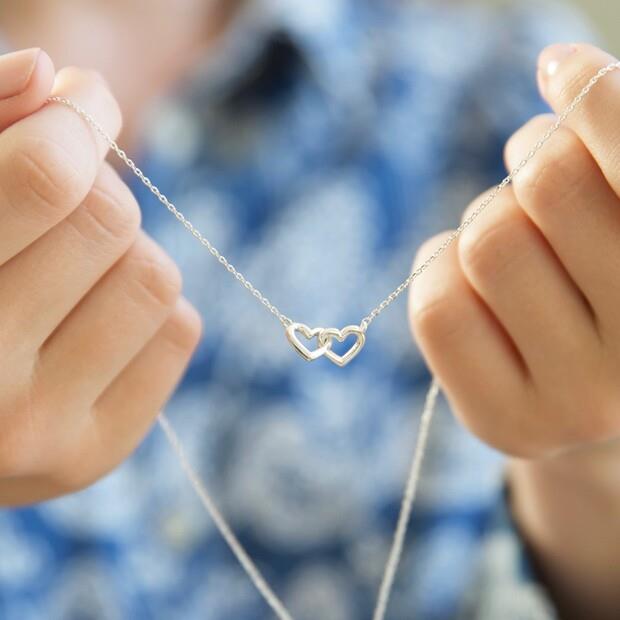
(520, 319)
(520, 322)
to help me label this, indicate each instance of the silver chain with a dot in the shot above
(404, 285)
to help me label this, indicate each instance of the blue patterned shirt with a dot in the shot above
(319, 146)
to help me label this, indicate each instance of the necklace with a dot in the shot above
(325, 337)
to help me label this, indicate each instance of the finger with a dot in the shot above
(564, 192)
(125, 411)
(109, 326)
(26, 79)
(511, 266)
(75, 254)
(49, 160)
(563, 72)
(120, 419)
(16, 492)
(477, 364)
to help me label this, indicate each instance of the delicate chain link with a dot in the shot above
(377, 310)
(178, 214)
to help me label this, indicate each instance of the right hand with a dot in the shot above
(94, 334)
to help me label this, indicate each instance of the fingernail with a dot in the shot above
(552, 57)
(16, 70)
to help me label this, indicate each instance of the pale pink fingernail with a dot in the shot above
(16, 70)
(552, 57)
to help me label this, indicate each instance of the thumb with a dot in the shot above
(26, 79)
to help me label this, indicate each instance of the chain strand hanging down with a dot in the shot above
(246, 562)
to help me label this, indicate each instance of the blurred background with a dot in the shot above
(605, 16)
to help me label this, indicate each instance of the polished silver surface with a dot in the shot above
(309, 355)
(325, 338)
(327, 335)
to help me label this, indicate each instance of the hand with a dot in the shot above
(520, 321)
(93, 332)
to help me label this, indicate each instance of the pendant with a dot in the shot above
(325, 337)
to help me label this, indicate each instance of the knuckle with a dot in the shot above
(538, 183)
(184, 327)
(433, 315)
(429, 246)
(555, 174)
(115, 214)
(485, 250)
(45, 182)
(474, 204)
(156, 273)
(188, 330)
(517, 145)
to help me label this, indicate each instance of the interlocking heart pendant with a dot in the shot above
(325, 337)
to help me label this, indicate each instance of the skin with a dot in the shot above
(93, 344)
(72, 30)
(518, 320)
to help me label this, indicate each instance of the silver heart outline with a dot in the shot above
(309, 334)
(327, 335)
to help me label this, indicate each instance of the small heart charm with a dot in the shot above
(327, 335)
(308, 354)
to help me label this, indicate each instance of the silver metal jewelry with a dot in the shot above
(309, 355)
(324, 339)
(326, 335)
